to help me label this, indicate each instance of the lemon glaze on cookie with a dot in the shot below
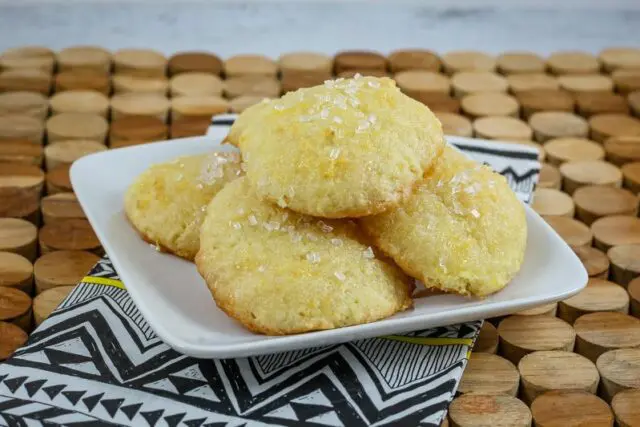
(348, 148)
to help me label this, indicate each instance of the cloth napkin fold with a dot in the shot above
(97, 362)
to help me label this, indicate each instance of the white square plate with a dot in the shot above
(175, 301)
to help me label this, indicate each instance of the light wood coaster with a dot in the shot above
(359, 60)
(585, 83)
(24, 103)
(576, 174)
(550, 202)
(252, 65)
(125, 83)
(58, 180)
(71, 235)
(198, 106)
(502, 128)
(467, 60)
(297, 64)
(440, 103)
(45, 303)
(476, 410)
(455, 124)
(597, 333)
(16, 272)
(470, 82)
(595, 261)
(487, 340)
(490, 104)
(625, 263)
(29, 80)
(66, 152)
(560, 150)
(544, 371)
(573, 62)
(189, 126)
(599, 295)
(521, 335)
(18, 236)
(15, 127)
(616, 230)
(604, 126)
(573, 232)
(634, 102)
(489, 374)
(543, 100)
(69, 126)
(633, 288)
(519, 62)
(631, 175)
(12, 339)
(622, 149)
(252, 85)
(140, 104)
(80, 101)
(139, 62)
(195, 84)
(20, 189)
(241, 103)
(520, 83)
(614, 58)
(131, 130)
(418, 83)
(549, 177)
(83, 80)
(626, 409)
(619, 370)
(413, 59)
(195, 61)
(626, 81)
(548, 125)
(62, 268)
(61, 207)
(595, 201)
(590, 104)
(91, 58)
(28, 57)
(570, 408)
(541, 310)
(15, 307)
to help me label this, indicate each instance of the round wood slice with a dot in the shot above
(243, 65)
(594, 260)
(520, 83)
(573, 62)
(413, 59)
(455, 124)
(125, 83)
(595, 201)
(21, 152)
(585, 83)
(61, 207)
(80, 101)
(28, 80)
(548, 125)
(135, 129)
(616, 230)
(625, 263)
(24, 103)
(467, 60)
(614, 58)
(73, 235)
(196, 84)
(605, 126)
(83, 80)
(619, 370)
(305, 63)
(590, 104)
(200, 62)
(66, 152)
(440, 103)
(11, 338)
(90, 58)
(62, 268)
(490, 104)
(599, 295)
(58, 180)
(634, 102)
(29, 57)
(18, 236)
(198, 106)
(599, 332)
(622, 149)
(550, 202)
(487, 341)
(45, 303)
(189, 126)
(241, 103)
(476, 410)
(520, 63)
(140, 104)
(418, 83)
(489, 374)
(626, 409)
(15, 307)
(16, 272)
(634, 295)
(503, 128)
(573, 232)
(541, 310)
(631, 176)
(20, 189)
(576, 174)
(68, 126)
(521, 335)
(549, 177)
(544, 100)
(544, 371)
(470, 82)
(252, 85)
(626, 81)
(295, 80)
(139, 62)
(570, 409)
(14, 127)
(560, 150)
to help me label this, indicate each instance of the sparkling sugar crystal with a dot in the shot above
(334, 153)
(340, 276)
(336, 242)
(368, 253)
(253, 220)
(313, 257)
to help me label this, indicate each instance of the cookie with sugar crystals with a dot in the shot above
(167, 202)
(279, 272)
(348, 148)
(464, 230)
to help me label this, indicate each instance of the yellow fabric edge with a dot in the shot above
(103, 281)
